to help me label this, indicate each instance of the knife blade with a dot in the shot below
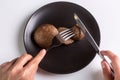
(90, 39)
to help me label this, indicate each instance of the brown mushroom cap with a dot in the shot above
(44, 34)
(78, 33)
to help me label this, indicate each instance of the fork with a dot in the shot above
(61, 37)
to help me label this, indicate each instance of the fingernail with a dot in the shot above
(102, 51)
(43, 50)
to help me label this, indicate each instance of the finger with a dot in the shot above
(14, 60)
(4, 64)
(11, 63)
(8, 64)
(110, 54)
(114, 59)
(106, 71)
(36, 60)
(2, 67)
(21, 61)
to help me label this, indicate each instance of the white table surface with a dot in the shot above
(15, 13)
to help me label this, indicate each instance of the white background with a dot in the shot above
(15, 13)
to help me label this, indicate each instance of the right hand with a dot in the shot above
(115, 62)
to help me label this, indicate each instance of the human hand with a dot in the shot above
(115, 62)
(22, 68)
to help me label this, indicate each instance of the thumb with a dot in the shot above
(106, 71)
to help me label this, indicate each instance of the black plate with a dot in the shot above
(63, 59)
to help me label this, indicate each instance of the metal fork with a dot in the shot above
(61, 37)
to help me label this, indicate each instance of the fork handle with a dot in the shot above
(55, 43)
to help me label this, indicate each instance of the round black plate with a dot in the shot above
(63, 59)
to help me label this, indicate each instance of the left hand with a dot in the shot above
(22, 68)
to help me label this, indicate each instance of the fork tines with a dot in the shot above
(65, 35)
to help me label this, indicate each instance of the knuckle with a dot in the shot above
(108, 51)
(12, 71)
(5, 63)
(26, 55)
(34, 62)
(22, 74)
(29, 55)
(115, 57)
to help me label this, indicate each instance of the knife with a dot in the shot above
(91, 40)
